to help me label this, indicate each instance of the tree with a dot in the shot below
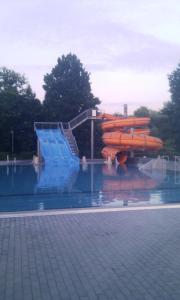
(172, 110)
(117, 114)
(159, 125)
(14, 83)
(67, 94)
(67, 90)
(165, 123)
(174, 83)
(18, 113)
(142, 111)
(19, 108)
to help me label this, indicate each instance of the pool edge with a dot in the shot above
(58, 212)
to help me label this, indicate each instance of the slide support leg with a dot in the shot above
(92, 139)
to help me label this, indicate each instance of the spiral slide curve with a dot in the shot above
(122, 135)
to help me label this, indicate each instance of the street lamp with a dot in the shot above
(12, 142)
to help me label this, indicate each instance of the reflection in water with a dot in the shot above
(17, 180)
(56, 178)
(70, 186)
(127, 185)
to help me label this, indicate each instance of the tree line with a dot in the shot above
(165, 123)
(67, 93)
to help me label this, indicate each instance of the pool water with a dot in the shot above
(24, 188)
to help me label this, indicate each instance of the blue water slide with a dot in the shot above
(54, 147)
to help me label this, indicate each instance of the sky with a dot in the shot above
(128, 46)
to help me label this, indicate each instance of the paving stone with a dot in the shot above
(111, 255)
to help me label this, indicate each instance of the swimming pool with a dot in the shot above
(24, 188)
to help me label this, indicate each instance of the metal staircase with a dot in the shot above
(71, 140)
(82, 117)
(69, 126)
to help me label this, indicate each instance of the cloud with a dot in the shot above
(122, 47)
(118, 39)
(41, 32)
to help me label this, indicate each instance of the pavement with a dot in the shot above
(122, 255)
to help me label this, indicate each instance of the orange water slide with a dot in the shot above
(121, 135)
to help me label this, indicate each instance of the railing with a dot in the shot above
(46, 125)
(147, 165)
(72, 137)
(75, 144)
(51, 125)
(177, 163)
(177, 169)
(159, 163)
(165, 163)
(82, 117)
(65, 125)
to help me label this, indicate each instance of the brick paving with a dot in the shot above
(133, 255)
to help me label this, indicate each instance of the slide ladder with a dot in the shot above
(71, 140)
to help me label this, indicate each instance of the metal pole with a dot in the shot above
(92, 178)
(12, 142)
(38, 150)
(92, 139)
(125, 110)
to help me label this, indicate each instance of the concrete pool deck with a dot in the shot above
(128, 254)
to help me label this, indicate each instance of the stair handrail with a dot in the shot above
(77, 149)
(82, 117)
(149, 163)
(72, 135)
(64, 125)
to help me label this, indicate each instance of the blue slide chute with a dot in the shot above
(54, 147)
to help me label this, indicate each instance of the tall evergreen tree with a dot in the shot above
(67, 94)
(67, 90)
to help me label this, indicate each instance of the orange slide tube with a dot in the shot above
(122, 134)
